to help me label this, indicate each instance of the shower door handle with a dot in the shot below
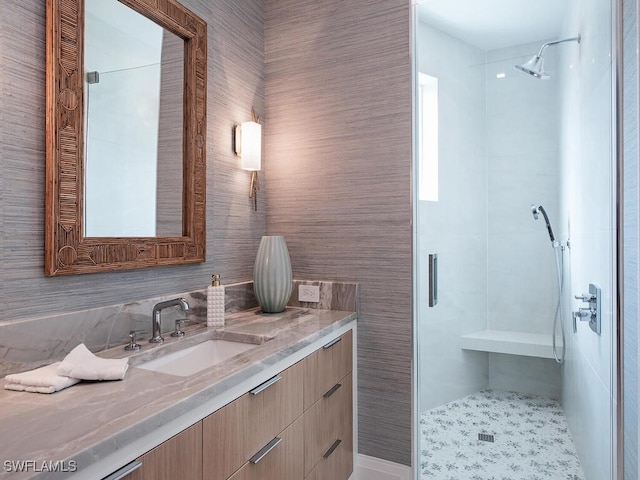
(433, 279)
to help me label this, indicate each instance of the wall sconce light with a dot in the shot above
(248, 146)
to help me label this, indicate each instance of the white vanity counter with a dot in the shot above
(95, 428)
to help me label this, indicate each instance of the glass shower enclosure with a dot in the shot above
(514, 209)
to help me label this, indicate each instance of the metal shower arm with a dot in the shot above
(572, 39)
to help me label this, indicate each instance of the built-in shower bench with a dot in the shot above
(514, 343)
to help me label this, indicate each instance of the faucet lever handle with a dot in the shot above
(133, 346)
(178, 332)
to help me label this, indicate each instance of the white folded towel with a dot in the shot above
(82, 364)
(42, 380)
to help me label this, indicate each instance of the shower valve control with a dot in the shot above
(585, 297)
(592, 313)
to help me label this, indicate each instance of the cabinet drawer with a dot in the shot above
(234, 433)
(337, 462)
(326, 420)
(178, 457)
(282, 462)
(325, 367)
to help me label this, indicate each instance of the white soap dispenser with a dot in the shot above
(215, 302)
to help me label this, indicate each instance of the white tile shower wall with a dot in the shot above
(586, 156)
(522, 151)
(455, 226)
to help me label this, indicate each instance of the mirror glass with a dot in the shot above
(133, 124)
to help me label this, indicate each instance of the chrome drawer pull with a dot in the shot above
(263, 386)
(265, 450)
(332, 448)
(124, 471)
(332, 343)
(332, 390)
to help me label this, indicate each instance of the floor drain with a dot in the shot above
(485, 437)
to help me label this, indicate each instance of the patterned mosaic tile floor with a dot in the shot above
(530, 433)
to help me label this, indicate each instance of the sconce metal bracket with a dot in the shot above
(253, 189)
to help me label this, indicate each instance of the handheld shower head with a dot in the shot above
(536, 211)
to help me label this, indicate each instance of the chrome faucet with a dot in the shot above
(156, 336)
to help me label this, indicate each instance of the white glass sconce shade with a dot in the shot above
(249, 145)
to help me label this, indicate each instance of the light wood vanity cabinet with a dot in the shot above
(328, 418)
(308, 413)
(178, 457)
(295, 426)
(237, 431)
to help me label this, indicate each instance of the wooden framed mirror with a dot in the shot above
(72, 243)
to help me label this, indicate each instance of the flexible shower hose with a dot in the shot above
(559, 310)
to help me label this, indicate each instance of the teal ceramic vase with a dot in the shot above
(272, 278)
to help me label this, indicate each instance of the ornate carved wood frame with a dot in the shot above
(67, 250)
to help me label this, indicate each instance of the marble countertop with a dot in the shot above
(94, 428)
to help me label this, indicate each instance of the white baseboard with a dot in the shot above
(372, 468)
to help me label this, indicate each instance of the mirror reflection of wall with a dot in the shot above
(133, 151)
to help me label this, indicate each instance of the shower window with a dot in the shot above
(428, 145)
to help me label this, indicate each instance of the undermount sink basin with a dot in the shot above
(196, 358)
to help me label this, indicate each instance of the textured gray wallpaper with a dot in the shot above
(338, 173)
(336, 177)
(235, 85)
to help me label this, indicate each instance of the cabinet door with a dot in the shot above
(325, 366)
(237, 431)
(327, 421)
(284, 461)
(179, 457)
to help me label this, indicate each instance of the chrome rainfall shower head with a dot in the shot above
(535, 66)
